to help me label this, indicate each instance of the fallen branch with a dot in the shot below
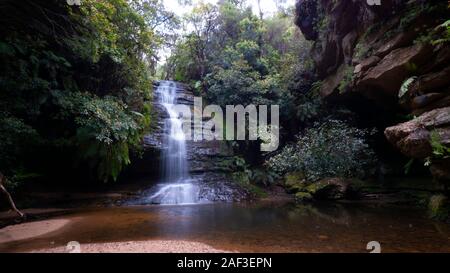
(8, 196)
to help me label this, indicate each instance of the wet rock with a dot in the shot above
(218, 187)
(204, 159)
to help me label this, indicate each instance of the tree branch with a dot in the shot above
(8, 196)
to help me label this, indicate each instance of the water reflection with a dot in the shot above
(264, 227)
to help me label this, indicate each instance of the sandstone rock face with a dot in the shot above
(383, 47)
(346, 21)
(366, 64)
(388, 75)
(383, 55)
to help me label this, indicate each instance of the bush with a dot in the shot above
(332, 149)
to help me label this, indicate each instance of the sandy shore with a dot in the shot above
(153, 246)
(30, 230)
(39, 228)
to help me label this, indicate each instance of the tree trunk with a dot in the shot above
(8, 196)
(261, 14)
(260, 37)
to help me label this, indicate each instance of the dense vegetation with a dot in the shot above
(234, 57)
(316, 155)
(75, 85)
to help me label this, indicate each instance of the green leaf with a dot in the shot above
(405, 86)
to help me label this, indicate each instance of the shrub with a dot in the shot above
(328, 150)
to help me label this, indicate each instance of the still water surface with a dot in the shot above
(263, 227)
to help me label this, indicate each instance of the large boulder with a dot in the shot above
(333, 189)
(412, 138)
(325, 189)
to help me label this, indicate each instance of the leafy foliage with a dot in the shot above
(327, 150)
(440, 150)
(405, 86)
(444, 29)
(75, 83)
(237, 58)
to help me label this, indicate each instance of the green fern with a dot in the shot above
(440, 151)
(405, 86)
(445, 38)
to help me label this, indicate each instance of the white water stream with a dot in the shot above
(176, 187)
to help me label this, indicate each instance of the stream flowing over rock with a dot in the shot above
(204, 180)
(367, 53)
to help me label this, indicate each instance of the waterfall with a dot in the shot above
(175, 187)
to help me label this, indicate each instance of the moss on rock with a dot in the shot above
(439, 207)
(294, 182)
(303, 197)
(328, 189)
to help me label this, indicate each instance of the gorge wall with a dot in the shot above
(393, 57)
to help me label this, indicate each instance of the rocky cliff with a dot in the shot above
(395, 57)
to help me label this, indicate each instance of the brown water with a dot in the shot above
(263, 227)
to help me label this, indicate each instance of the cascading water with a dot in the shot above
(176, 187)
